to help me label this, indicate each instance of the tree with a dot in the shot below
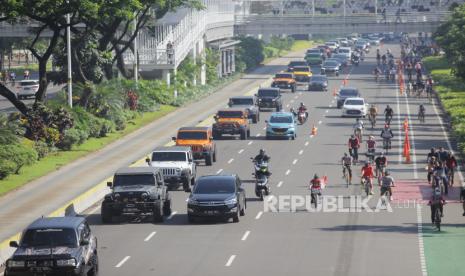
(451, 37)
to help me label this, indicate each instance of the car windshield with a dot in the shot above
(134, 180)
(281, 119)
(49, 237)
(230, 114)
(339, 56)
(318, 78)
(301, 69)
(192, 135)
(28, 83)
(314, 51)
(354, 102)
(330, 63)
(297, 63)
(283, 76)
(344, 50)
(348, 93)
(267, 93)
(214, 186)
(314, 55)
(168, 156)
(239, 101)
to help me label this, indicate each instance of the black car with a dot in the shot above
(250, 103)
(330, 67)
(55, 246)
(318, 83)
(269, 98)
(137, 191)
(346, 92)
(217, 196)
(294, 63)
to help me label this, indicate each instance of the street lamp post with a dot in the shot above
(136, 53)
(68, 49)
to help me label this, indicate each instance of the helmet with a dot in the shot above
(345, 154)
(301, 104)
(262, 151)
(387, 172)
(382, 154)
(352, 136)
(371, 137)
(315, 176)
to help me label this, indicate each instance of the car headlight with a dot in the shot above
(13, 263)
(116, 196)
(192, 201)
(67, 262)
(178, 169)
(231, 201)
(144, 196)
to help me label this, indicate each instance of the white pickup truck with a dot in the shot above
(177, 165)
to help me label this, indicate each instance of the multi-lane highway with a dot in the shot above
(297, 243)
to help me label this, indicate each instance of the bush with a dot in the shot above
(7, 167)
(19, 154)
(42, 149)
(72, 137)
(250, 52)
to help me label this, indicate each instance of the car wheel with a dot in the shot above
(236, 217)
(209, 159)
(242, 212)
(190, 219)
(94, 270)
(167, 207)
(255, 119)
(248, 133)
(106, 215)
(214, 155)
(157, 212)
(243, 134)
(216, 135)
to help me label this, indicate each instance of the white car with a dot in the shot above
(27, 88)
(346, 51)
(354, 107)
(331, 45)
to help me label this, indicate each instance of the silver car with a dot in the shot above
(27, 88)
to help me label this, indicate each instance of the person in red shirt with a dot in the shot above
(354, 144)
(371, 146)
(451, 164)
(367, 174)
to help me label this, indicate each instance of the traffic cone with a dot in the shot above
(405, 125)
(344, 82)
(314, 130)
(406, 152)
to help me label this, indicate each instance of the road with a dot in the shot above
(294, 243)
(264, 243)
(7, 107)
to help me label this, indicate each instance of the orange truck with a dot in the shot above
(233, 122)
(284, 81)
(200, 139)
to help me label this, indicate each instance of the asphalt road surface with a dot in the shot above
(272, 243)
(293, 243)
(7, 107)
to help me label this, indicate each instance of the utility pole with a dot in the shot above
(136, 53)
(68, 50)
(376, 7)
(313, 8)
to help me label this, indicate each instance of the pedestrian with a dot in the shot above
(169, 52)
(462, 198)
(13, 77)
(26, 74)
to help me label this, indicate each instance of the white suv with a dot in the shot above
(177, 166)
(27, 88)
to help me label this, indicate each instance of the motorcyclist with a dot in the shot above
(380, 161)
(303, 108)
(261, 156)
(436, 201)
(387, 134)
(388, 114)
(353, 144)
(315, 184)
(346, 161)
(387, 182)
(367, 174)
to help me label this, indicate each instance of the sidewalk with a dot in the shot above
(44, 195)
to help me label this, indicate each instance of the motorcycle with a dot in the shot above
(261, 174)
(302, 117)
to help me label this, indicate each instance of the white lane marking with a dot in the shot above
(446, 137)
(246, 234)
(264, 128)
(294, 162)
(420, 241)
(301, 152)
(250, 143)
(306, 143)
(412, 135)
(241, 151)
(259, 215)
(319, 122)
(150, 236)
(399, 128)
(311, 136)
(172, 215)
(291, 101)
(125, 259)
(93, 211)
(230, 160)
(230, 260)
(219, 171)
(332, 101)
(280, 184)
(287, 105)
(300, 93)
(326, 111)
(331, 105)
(258, 135)
(288, 172)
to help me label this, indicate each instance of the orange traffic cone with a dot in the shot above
(314, 130)
(344, 82)
(405, 124)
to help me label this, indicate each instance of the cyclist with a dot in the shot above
(371, 146)
(367, 174)
(347, 165)
(451, 164)
(436, 201)
(430, 169)
(315, 184)
(387, 182)
(354, 144)
(377, 72)
(387, 135)
(421, 113)
(378, 57)
(409, 70)
(462, 199)
(358, 129)
(429, 85)
(381, 162)
(388, 114)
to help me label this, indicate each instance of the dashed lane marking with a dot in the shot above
(259, 215)
(121, 263)
(288, 172)
(250, 143)
(287, 105)
(301, 152)
(246, 234)
(172, 215)
(295, 97)
(311, 136)
(280, 184)
(219, 171)
(291, 101)
(240, 151)
(306, 143)
(294, 162)
(326, 111)
(258, 135)
(421, 248)
(230, 260)
(150, 236)
(230, 160)
(264, 128)
(319, 122)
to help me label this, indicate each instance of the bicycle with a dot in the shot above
(386, 144)
(385, 196)
(421, 116)
(372, 118)
(437, 218)
(346, 175)
(381, 173)
(365, 182)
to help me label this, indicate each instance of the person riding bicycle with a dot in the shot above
(383, 59)
(381, 162)
(387, 135)
(388, 114)
(387, 182)
(436, 201)
(373, 111)
(377, 72)
(440, 174)
(378, 57)
(367, 174)
(421, 111)
(429, 84)
(451, 164)
(303, 108)
(354, 144)
(358, 128)
(409, 70)
(346, 161)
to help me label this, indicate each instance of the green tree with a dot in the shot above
(451, 37)
(250, 52)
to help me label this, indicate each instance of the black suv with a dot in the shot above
(219, 196)
(269, 98)
(137, 191)
(55, 246)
